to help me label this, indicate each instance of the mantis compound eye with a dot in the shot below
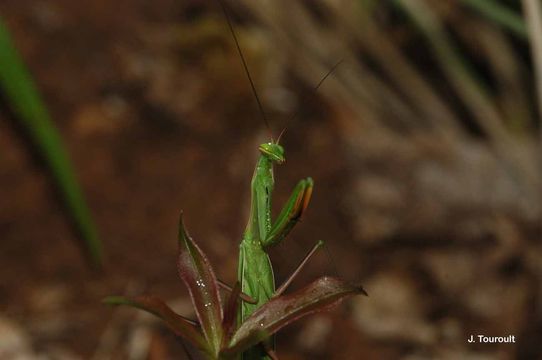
(273, 151)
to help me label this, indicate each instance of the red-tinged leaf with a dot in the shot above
(230, 312)
(280, 311)
(180, 325)
(198, 276)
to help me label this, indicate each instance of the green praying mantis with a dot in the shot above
(255, 271)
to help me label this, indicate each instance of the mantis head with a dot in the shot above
(273, 151)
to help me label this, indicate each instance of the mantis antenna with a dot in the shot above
(245, 66)
(296, 114)
(333, 68)
(251, 81)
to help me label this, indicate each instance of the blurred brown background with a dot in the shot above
(424, 146)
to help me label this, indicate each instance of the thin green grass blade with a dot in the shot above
(21, 94)
(501, 15)
(533, 17)
(467, 83)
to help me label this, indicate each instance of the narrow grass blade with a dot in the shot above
(21, 94)
(533, 16)
(460, 73)
(500, 14)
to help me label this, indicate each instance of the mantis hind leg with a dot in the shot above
(291, 213)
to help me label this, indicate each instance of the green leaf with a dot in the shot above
(198, 276)
(180, 325)
(281, 311)
(20, 92)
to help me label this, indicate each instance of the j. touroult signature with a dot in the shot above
(492, 339)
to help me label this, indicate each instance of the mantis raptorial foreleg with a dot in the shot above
(291, 213)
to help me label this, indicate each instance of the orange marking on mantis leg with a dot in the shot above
(306, 199)
(298, 207)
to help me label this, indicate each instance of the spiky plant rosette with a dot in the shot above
(215, 332)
